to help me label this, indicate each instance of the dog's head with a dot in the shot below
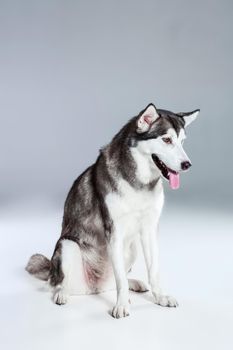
(160, 135)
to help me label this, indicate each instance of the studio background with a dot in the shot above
(71, 74)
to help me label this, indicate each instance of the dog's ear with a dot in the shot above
(146, 118)
(189, 117)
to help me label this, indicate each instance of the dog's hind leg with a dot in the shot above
(137, 286)
(67, 275)
(59, 276)
(130, 257)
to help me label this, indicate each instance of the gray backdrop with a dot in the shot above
(73, 72)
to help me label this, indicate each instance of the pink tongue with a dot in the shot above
(174, 181)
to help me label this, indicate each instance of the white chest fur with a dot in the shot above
(131, 210)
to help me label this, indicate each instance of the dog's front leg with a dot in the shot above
(149, 240)
(121, 309)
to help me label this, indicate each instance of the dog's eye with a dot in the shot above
(167, 140)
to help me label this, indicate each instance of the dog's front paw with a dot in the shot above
(120, 310)
(165, 300)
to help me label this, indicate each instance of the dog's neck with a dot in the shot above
(146, 171)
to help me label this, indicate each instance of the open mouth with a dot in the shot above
(172, 176)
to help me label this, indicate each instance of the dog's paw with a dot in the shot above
(59, 297)
(137, 286)
(120, 311)
(165, 300)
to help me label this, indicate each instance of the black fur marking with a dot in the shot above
(56, 273)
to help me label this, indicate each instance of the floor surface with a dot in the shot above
(196, 267)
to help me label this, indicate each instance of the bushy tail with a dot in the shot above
(39, 266)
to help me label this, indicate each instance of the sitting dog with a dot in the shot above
(113, 206)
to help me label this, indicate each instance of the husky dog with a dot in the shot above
(114, 205)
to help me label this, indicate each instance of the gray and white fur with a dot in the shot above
(113, 206)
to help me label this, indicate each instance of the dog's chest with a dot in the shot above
(131, 208)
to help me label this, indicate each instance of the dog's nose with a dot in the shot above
(185, 165)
